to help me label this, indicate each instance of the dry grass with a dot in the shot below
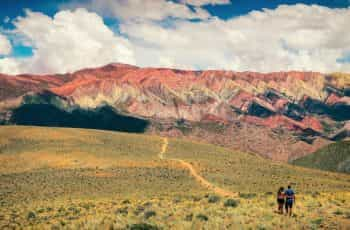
(56, 178)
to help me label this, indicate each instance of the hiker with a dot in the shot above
(280, 200)
(290, 200)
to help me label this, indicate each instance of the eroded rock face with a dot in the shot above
(308, 106)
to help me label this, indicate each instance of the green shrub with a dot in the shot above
(123, 211)
(317, 221)
(31, 215)
(189, 217)
(202, 217)
(231, 203)
(149, 214)
(338, 212)
(139, 209)
(126, 202)
(213, 199)
(247, 195)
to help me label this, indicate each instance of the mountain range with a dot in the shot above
(281, 115)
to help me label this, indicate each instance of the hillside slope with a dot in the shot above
(334, 157)
(282, 115)
(76, 178)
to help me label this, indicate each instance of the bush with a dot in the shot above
(123, 211)
(149, 214)
(202, 217)
(143, 226)
(139, 209)
(31, 215)
(317, 221)
(247, 195)
(213, 199)
(231, 203)
(126, 202)
(189, 217)
(338, 212)
(315, 194)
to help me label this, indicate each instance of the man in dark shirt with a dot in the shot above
(290, 200)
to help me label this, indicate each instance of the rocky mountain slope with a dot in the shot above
(282, 115)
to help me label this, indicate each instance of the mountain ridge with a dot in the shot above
(309, 107)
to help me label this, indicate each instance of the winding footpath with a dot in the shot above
(194, 173)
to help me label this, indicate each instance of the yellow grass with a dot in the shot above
(74, 178)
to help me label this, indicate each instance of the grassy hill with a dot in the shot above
(75, 178)
(334, 157)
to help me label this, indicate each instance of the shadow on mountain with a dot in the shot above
(338, 112)
(101, 118)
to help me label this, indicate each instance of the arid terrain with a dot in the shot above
(281, 115)
(59, 178)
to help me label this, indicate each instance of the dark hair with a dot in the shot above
(280, 190)
(289, 186)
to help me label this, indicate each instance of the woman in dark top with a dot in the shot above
(280, 200)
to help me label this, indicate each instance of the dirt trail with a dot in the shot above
(194, 173)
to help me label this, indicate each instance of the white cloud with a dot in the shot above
(5, 45)
(69, 41)
(298, 37)
(141, 9)
(205, 2)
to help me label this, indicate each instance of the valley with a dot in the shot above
(281, 116)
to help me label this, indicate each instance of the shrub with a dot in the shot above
(143, 226)
(202, 217)
(189, 217)
(231, 203)
(126, 202)
(269, 193)
(139, 209)
(315, 194)
(338, 212)
(247, 195)
(261, 227)
(317, 221)
(31, 215)
(149, 214)
(41, 210)
(213, 199)
(123, 211)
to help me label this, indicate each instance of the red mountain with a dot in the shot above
(280, 115)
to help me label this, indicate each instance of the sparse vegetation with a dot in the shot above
(231, 203)
(334, 157)
(213, 199)
(84, 179)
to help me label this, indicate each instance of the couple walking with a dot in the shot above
(285, 198)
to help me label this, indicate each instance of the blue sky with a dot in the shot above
(14, 8)
(138, 25)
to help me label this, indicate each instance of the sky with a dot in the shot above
(60, 36)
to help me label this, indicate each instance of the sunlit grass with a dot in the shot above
(56, 178)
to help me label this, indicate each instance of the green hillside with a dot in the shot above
(89, 179)
(334, 157)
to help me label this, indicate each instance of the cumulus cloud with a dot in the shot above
(69, 41)
(290, 37)
(205, 2)
(142, 9)
(298, 37)
(5, 45)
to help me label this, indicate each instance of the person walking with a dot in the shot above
(290, 200)
(280, 200)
